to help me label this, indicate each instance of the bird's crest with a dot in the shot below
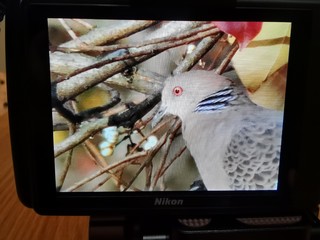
(216, 101)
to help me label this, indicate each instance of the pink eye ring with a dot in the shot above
(177, 91)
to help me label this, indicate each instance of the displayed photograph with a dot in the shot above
(149, 105)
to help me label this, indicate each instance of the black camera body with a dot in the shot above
(32, 95)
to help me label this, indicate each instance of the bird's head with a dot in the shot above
(182, 92)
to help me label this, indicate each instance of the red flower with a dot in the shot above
(244, 32)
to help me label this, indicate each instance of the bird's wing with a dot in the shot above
(252, 157)
(216, 101)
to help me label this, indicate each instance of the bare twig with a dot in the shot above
(178, 154)
(83, 23)
(155, 150)
(67, 161)
(148, 170)
(99, 159)
(233, 49)
(161, 172)
(171, 137)
(202, 48)
(94, 153)
(65, 170)
(100, 184)
(68, 29)
(125, 162)
(123, 183)
(162, 164)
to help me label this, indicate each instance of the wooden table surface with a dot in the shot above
(19, 222)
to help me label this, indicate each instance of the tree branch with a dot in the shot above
(86, 130)
(64, 63)
(129, 117)
(88, 77)
(114, 47)
(140, 81)
(104, 35)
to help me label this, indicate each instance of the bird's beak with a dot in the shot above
(159, 115)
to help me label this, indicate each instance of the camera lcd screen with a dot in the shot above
(107, 79)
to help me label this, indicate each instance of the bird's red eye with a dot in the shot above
(177, 91)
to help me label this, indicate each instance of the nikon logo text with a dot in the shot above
(167, 202)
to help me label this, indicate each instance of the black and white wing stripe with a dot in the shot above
(216, 101)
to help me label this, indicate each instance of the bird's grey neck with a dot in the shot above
(242, 95)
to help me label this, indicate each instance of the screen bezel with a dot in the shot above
(45, 197)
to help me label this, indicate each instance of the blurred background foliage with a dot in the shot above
(262, 66)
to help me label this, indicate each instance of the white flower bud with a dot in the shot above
(110, 134)
(150, 143)
(107, 151)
